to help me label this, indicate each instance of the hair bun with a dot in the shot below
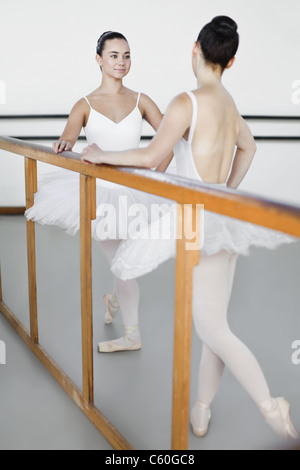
(104, 34)
(108, 35)
(219, 41)
(224, 26)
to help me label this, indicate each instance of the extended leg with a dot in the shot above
(210, 301)
(210, 305)
(211, 366)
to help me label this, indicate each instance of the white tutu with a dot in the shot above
(122, 212)
(135, 258)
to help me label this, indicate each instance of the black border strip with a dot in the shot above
(65, 116)
(34, 116)
(56, 137)
(149, 137)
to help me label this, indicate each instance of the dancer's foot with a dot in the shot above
(200, 419)
(112, 307)
(131, 341)
(276, 412)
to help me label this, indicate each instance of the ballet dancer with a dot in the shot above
(112, 117)
(203, 127)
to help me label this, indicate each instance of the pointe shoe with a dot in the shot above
(111, 310)
(131, 341)
(200, 419)
(279, 419)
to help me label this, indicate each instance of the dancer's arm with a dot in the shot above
(153, 116)
(174, 125)
(245, 152)
(73, 127)
(162, 167)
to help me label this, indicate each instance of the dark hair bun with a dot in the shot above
(219, 40)
(108, 35)
(104, 34)
(224, 26)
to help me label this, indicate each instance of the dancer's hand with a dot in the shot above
(62, 146)
(91, 154)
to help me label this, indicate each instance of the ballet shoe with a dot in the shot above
(131, 341)
(111, 310)
(278, 417)
(200, 419)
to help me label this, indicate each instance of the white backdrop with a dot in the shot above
(47, 52)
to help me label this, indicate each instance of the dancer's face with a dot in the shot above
(115, 60)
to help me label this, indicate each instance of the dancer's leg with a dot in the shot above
(127, 293)
(231, 273)
(210, 374)
(112, 305)
(211, 366)
(210, 302)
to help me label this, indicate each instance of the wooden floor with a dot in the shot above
(134, 389)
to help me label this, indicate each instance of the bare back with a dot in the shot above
(216, 132)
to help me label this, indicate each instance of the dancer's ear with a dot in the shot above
(195, 49)
(99, 60)
(230, 63)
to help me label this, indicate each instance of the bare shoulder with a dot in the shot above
(145, 100)
(182, 104)
(214, 99)
(181, 99)
(80, 112)
(149, 108)
(80, 106)
(206, 95)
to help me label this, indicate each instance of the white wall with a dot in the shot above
(47, 63)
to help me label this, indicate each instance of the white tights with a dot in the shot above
(127, 292)
(213, 279)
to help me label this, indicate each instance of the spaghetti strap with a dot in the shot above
(194, 116)
(138, 99)
(87, 101)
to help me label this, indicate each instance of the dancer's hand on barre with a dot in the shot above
(91, 154)
(62, 146)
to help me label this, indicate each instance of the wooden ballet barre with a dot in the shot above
(285, 218)
(240, 205)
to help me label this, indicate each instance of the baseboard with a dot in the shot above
(12, 210)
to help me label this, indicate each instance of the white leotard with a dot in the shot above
(110, 135)
(57, 199)
(185, 162)
(136, 258)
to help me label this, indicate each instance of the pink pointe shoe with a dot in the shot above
(200, 419)
(278, 417)
(131, 341)
(112, 307)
